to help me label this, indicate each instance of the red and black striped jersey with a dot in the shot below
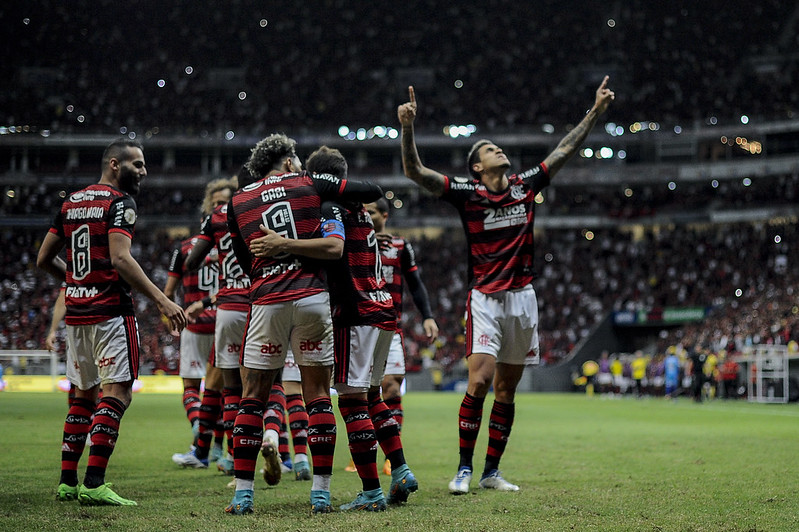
(196, 285)
(357, 289)
(95, 291)
(289, 204)
(499, 228)
(399, 260)
(234, 284)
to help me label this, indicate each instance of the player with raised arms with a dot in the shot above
(497, 212)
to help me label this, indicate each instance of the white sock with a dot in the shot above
(242, 484)
(321, 482)
(300, 457)
(272, 436)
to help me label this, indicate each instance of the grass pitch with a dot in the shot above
(583, 463)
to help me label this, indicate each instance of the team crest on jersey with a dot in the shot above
(516, 192)
(130, 216)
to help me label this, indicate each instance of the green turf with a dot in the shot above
(582, 464)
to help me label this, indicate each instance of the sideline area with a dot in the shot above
(47, 383)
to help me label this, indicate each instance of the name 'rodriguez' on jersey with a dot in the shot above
(499, 228)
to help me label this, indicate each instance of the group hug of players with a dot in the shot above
(301, 274)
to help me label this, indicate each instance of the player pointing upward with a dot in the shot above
(497, 213)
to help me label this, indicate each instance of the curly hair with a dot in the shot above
(212, 188)
(269, 152)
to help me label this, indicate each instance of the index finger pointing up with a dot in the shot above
(411, 94)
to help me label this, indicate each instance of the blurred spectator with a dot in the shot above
(207, 68)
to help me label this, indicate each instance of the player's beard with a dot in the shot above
(129, 180)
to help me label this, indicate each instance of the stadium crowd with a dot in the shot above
(743, 272)
(349, 64)
(617, 201)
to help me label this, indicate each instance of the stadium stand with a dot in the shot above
(695, 199)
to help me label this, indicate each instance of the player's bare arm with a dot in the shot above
(411, 163)
(194, 310)
(200, 250)
(48, 259)
(571, 142)
(171, 287)
(130, 270)
(271, 244)
(59, 311)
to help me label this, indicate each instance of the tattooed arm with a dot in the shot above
(568, 146)
(411, 163)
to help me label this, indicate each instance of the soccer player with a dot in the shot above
(96, 225)
(197, 341)
(497, 213)
(232, 304)
(364, 321)
(398, 261)
(290, 305)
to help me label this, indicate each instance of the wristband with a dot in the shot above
(207, 302)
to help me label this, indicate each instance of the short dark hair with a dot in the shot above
(382, 205)
(474, 153)
(327, 161)
(245, 176)
(269, 152)
(119, 150)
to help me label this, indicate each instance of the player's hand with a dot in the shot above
(173, 313)
(430, 329)
(49, 342)
(268, 245)
(407, 111)
(603, 96)
(383, 241)
(194, 310)
(213, 256)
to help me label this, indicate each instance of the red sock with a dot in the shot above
(499, 426)
(210, 408)
(321, 435)
(230, 408)
(362, 440)
(469, 418)
(248, 437)
(283, 443)
(191, 402)
(76, 430)
(298, 423)
(386, 429)
(103, 436)
(275, 414)
(395, 404)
